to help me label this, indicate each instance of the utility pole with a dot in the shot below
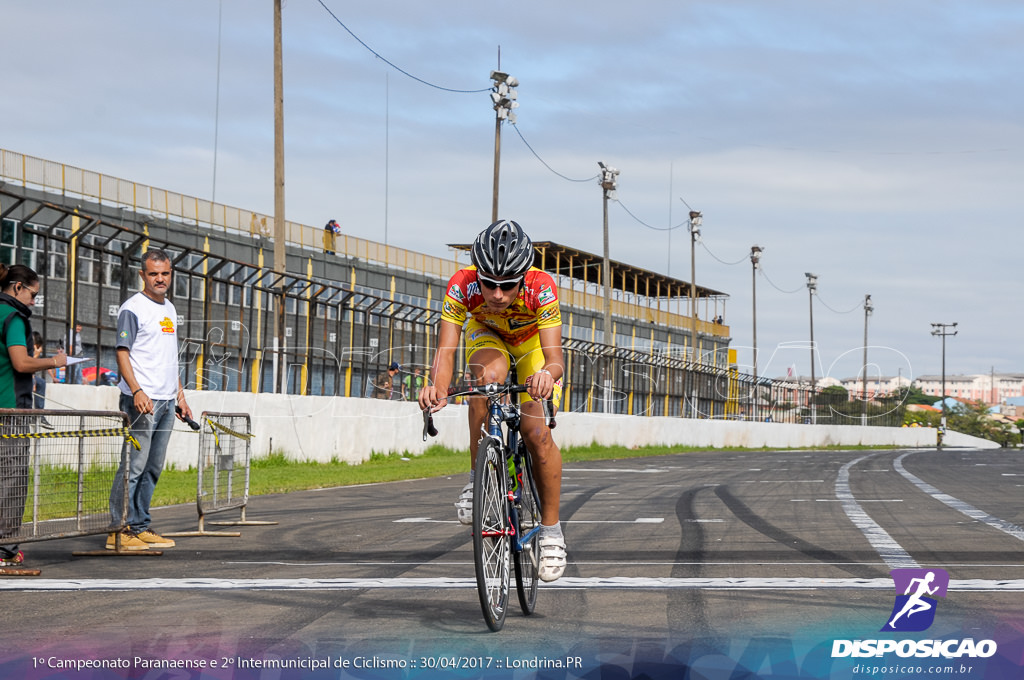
(608, 185)
(755, 259)
(812, 285)
(942, 330)
(503, 97)
(868, 308)
(280, 250)
(696, 219)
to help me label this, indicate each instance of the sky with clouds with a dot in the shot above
(875, 144)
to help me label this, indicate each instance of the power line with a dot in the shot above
(537, 156)
(392, 65)
(640, 221)
(836, 311)
(760, 268)
(739, 261)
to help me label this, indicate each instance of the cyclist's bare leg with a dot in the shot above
(547, 460)
(487, 365)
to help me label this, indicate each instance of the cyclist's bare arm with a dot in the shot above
(542, 383)
(435, 391)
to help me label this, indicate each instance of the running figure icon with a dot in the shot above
(919, 588)
(915, 604)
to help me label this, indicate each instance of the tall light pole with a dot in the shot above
(280, 249)
(608, 183)
(755, 259)
(696, 219)
(503, 97)
(868, 308)
(812, 285)
(942, 330)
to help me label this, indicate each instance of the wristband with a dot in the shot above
(55, 362)
(544, 370)
(136, 391)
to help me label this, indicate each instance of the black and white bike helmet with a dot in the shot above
(502, 249)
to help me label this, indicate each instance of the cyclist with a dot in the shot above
(510, 312)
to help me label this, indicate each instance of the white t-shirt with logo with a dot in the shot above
(148, 330)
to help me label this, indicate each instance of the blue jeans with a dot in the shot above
(38, 391)
(152, 432)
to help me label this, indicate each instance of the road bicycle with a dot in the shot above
(506, 507)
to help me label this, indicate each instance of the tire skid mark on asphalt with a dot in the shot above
(745, 514)
(687, 612)
(957, 504)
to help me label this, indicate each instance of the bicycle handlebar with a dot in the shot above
(489, 390)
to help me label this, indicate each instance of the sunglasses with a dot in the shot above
(491, 284)
(34, 293)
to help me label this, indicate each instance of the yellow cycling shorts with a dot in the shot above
(528, 358)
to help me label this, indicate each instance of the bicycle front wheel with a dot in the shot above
(528, 556)
(491, 545)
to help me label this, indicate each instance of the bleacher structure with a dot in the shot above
(333, 322)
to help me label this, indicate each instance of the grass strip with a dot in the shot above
(277, 474)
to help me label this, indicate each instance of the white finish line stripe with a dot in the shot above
(614, 582)
(638, 520)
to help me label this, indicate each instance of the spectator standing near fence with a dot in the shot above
(19, 287)
(413, 383)
(384, 385)
(147, 361)
(331, 231)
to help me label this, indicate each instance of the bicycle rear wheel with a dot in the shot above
(528, 558)
(491, 545)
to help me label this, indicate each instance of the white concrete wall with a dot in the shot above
(960, 439)
(322, 428)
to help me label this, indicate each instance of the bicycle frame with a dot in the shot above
(502, 485)
(509, 414)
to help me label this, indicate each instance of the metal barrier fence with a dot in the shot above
(607, 379)
(223, 471)
(57, 469)
(339, 337)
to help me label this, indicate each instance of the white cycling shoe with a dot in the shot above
(464, 506)
(552, 558)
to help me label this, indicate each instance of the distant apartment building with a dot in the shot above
(877, 386)
(990, 388)
(1013, 408)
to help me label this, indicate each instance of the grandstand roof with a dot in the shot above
(583, 266)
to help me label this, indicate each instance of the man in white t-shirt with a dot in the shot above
(147, 361)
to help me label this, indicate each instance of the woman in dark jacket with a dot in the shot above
(19, 287)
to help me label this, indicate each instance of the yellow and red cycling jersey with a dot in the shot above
(535, 307)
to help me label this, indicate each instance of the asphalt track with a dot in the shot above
(692, 556)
